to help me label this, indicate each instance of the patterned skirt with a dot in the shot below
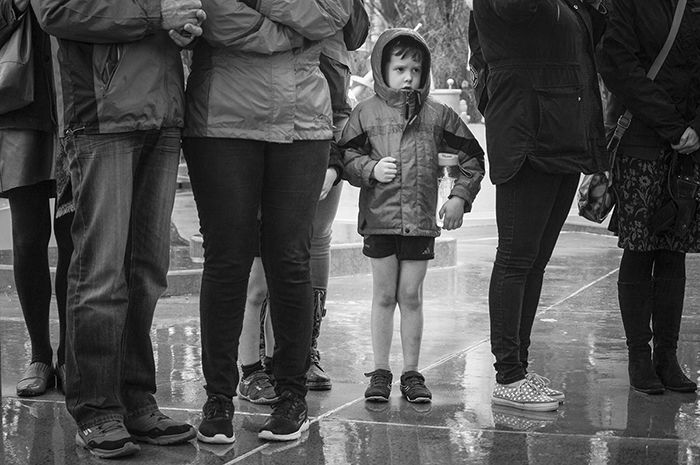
(642, 189)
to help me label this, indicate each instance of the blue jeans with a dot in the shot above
(231, 179)
(530, 211)
(123, 189)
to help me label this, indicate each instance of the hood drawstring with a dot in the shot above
(413, 105)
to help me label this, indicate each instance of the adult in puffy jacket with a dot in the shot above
(121, 104)
(544, 127)
(27, 181)
(257, 137)
(663, 134)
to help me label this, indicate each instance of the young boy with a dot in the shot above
(391, 144)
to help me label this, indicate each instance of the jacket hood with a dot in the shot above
(397, 97)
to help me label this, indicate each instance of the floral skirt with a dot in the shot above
(642, 189)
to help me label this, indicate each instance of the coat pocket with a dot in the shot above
(561, 124)
(107, 59)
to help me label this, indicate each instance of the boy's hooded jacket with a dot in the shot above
(412, 128)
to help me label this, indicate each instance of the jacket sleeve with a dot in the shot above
(625, 76)
(314, 19)
(99, 21)
(8, 19)
(236, 25)
(518, 11)
(457, 136)
(355, 148)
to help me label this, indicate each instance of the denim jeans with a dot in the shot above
(530, 211)
(231, 179)
(123, 189)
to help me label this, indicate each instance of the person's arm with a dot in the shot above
(354, 144)
(458, 137)
(114, 21)
(10, 11)
(313, 19)
(625, 76)
(234, 24)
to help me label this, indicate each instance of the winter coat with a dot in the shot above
(256, 75)
(378, 128)
(536, 85)
(118, 70)
(661, 109)
(38, 114)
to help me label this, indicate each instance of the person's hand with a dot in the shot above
(21, 5)
(452, 213)
(185, 37)
(331, 176)
(178, 13)
(385, 169)
(689, 142)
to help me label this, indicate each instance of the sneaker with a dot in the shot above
(523, 395)
(379, 388)
(544, 385)
(157, 428)
(288, 420)
(413, 387)
(257, 388)
(217, 425)
(107, 440)
(316, 377)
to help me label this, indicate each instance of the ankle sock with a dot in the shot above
(250, 369)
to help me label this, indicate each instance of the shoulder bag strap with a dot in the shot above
(624, 121)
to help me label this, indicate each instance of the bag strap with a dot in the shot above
(624, 121)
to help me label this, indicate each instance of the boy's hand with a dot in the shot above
(452, 213)
(385, 169)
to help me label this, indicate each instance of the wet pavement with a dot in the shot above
(577, 342)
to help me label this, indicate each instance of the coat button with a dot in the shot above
(406, 230)
(575, 7)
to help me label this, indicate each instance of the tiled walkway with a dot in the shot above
(577, 343)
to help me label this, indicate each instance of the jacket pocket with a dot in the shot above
(107, 59)
(561, 124)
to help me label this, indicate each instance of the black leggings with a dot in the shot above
(656, 264)
(31, 230)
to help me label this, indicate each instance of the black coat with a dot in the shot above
(536, 85)
(662, 109)
(38, 115)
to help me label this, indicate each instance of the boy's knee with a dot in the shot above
(410, 299)
(385, 299)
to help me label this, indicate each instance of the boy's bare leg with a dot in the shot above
(385, 273)
(410, 299)
(249, 343)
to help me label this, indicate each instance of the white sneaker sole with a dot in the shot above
(532, 406)
(216, 439)
(270, 436)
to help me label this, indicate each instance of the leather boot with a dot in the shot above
(635, 307)
(666, 321)
(316, 378)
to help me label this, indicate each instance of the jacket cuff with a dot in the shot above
(461, 192)
(695, 124)
(154, 15)
(368, 173)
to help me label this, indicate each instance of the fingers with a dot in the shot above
(179, 39)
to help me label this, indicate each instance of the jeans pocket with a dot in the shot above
(561, 126)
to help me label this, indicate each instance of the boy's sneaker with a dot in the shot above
(217, 425)
(107, 440)
(288, 420)
(379, 388)
(157, 428)
(544, 386)
(257, 388)
(524, 395)
(413, 387)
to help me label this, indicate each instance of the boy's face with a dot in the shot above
(403, 73)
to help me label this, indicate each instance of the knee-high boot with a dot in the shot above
(635, 307)
(316, 378)
(666, 321)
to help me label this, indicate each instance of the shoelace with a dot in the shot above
(285, 405)
(262, 377)
(538, 379)
(216, 406)
(109, 426)
(378, 378)
(413, 382)
(528, 383)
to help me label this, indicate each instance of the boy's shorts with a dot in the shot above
(404, 247)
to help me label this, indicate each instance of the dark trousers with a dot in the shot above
(530, 211)
(231, 180)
